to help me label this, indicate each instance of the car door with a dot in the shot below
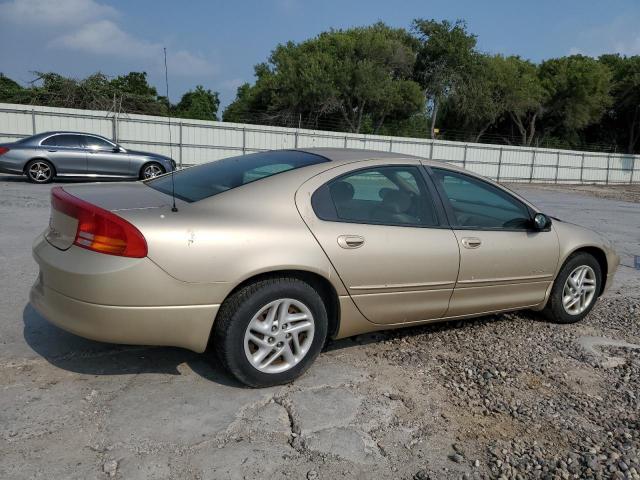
(105, 158)
(66, 152)
(504, 262)
(384, 234)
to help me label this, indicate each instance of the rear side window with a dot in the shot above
(95, 143)
(64, 141)
(382, 195)
(196, 183)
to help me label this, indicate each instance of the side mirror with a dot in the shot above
(541, 221)
(117, 149)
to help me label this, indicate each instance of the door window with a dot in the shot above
(381, 195)
(478, 204)
(95, 143)
(64, 141)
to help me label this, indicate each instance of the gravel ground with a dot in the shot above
(505, 396)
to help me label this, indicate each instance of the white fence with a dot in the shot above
(194, 141)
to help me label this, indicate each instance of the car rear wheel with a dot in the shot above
(151, 170)
(39, 171)
(575, 290)
(270, 332)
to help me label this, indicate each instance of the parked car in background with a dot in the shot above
(267, 255)
(49, 155)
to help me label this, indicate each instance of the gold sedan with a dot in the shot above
(267, 256)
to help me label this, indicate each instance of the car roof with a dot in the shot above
(349, 155)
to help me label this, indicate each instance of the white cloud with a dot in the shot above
(54, 13)
(104, 37)
(90, 27)
(618, 36)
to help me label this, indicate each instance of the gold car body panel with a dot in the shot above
(400, 274)
(504, 269)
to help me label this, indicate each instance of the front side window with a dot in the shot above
(386, 195)
(95, 143)
(63, 141)
(478, 204)
(195, 183)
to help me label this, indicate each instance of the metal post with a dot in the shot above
(533, 162)
(581, 168)
(633, 167)
(555, 180)
(345, 141)
(180, 143)
(431, 151)
(464, 157)
(499, 164)
(608, 167)
(114, 133)
(244, 140)
(296, 140)
(33, 121)
(391, 145)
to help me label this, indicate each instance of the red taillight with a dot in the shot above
(3, 150)
(98, 229)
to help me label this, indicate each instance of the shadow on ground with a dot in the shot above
(76, 354)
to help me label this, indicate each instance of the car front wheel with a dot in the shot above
(575, 290)
(151, 170)
(270, 332)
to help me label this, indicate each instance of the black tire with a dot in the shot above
(151, 165)
(555, 310)
(236, 313)
(45, 174)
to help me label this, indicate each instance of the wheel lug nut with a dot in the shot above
(274, 328)
(288, 335)
(271, 340)
(279, 344)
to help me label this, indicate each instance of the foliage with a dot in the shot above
(446, 57)
(130, 93)
(199, 104)
(351, 80)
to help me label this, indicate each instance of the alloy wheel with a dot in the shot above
(40, 172)
(579, 290)
(151, 171)
(279, 335)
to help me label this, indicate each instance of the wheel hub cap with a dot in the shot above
(279, 336)
(579, 290)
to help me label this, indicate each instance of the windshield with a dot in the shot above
(202, 181)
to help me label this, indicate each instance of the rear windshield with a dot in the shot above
(196, 183)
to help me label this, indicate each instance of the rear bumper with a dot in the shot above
(178, 326)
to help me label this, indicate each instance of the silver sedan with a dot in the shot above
(45, 156)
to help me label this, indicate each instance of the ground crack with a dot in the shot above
(295, 441)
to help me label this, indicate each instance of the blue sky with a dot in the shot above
(217, 43)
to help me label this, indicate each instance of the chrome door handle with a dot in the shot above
(350, 241)
(471, 242)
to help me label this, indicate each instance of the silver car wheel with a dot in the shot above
(39, 172)
(279, 336)
(579, 290)
(151, 171)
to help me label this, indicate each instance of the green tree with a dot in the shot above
(200, 104)
(578, 94)
(12, 92)
(445, 55)
(622, 121)
(352, 79)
